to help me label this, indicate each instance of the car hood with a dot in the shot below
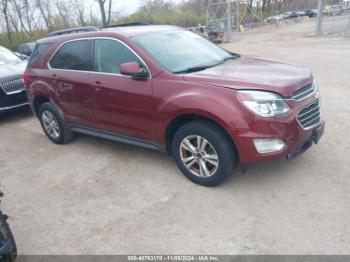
(9, 70)
(248, 72)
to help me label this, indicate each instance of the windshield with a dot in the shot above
(181, 51)
(7, 57)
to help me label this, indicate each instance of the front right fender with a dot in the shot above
(218, 104)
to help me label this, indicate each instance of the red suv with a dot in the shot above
(165, 88)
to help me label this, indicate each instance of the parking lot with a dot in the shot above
(94, 196)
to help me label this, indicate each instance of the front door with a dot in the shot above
(123, 105)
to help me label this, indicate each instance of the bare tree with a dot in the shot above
(81, 17)
(106, 19)
(193, 6)
(44, 7)
(24, 11)
(63, 18)
(29, 15)
(93, 20)
(4, 4)
(151, 6)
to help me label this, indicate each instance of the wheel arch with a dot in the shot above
(183, 119)
(38, 101)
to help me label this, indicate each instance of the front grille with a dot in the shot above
(310, 115)
(304, 92)
(12, 87)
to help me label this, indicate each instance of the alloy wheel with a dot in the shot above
(50, 124)
(199, 156)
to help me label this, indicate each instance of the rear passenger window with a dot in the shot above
(110, 54)
(73, 55)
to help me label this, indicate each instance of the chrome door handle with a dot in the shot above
(64, 87)
(98, 86)
(54, 80)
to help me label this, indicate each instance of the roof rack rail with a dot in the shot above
(73, 30)
(139, 23)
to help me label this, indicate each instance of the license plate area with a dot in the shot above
(315, 138)
(318, 133)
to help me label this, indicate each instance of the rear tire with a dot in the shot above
(204, 153)
(53, 125)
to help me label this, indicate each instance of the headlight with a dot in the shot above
(265, 104)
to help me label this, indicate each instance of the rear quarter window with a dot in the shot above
(72, 55)
(39, 51)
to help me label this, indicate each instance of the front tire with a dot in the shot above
(204, 153)
(53, 125)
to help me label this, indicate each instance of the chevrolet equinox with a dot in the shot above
(165, 88)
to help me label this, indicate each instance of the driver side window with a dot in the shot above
(110, 54)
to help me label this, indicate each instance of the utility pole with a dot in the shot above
(319, 17)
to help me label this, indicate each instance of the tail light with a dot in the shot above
(25, 78)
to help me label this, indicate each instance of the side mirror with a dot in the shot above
(134, 70)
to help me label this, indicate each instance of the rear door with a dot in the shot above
(69, 75)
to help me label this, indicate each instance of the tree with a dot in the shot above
(45, 11)
(194, 6)
(64, 18)
(152, 6)
(81, 17)
(4, 11)
(106, 19)
(24, 10)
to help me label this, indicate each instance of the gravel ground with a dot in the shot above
(94, 196)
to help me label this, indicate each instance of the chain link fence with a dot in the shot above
(336, 17)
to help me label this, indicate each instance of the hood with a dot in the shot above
(12, 70)
(254, 73)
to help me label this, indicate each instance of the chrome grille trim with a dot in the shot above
(304, 92)
(310, 116)
(12, 87)
(316, 109)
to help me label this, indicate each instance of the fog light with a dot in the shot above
(269, 145)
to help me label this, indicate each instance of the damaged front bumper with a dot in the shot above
(314, 139)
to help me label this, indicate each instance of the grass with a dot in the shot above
(19, 38)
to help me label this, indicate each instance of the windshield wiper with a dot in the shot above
(194, 69)
(203, 67)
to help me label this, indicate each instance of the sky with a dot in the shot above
(125, 7)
